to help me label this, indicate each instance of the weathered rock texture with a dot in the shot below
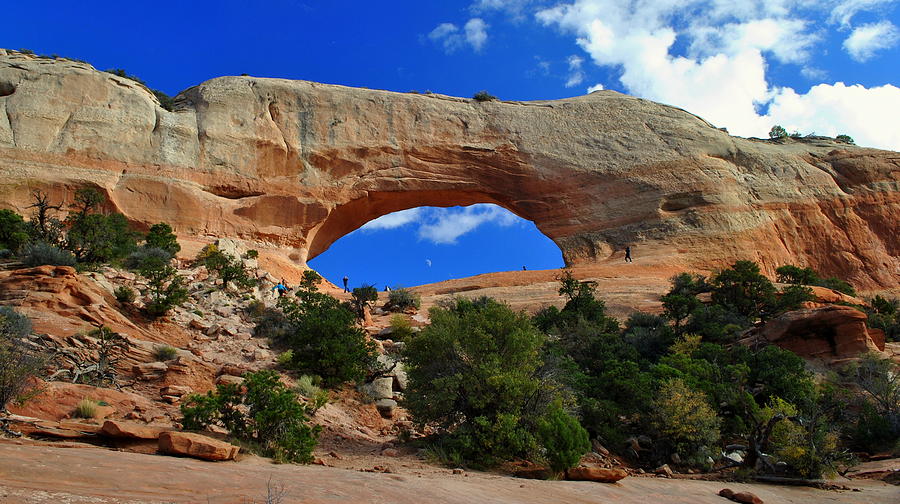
(299, 164)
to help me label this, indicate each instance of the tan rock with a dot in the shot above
(296, 165)
(121, 429)
(196, 445)
(598, 474)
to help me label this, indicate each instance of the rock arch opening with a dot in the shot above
(427, 244)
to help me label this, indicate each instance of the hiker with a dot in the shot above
(281, 288)
(524, 268)
(628, 254)
(387, 288)
(346, 279)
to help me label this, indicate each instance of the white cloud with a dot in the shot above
(576, 75)
(393, 220)
(595, 87)
(448, 225)
(721, 72)
(476, 33)
(451, 38)
(867, 39)
(843, 10)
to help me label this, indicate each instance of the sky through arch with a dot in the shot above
(429, 244)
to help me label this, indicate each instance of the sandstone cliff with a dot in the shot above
(297, 165)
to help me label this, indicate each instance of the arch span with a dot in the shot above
(296, 164)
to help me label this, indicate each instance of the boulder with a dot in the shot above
(149, 370)
(830, 331)
(229, 380)
(386, 407)
(742, 497)
(598, 474)
(380, 388)
(189, 444)
(121, 429)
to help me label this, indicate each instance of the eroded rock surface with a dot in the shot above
(295, 165)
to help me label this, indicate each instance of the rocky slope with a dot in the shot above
(295, 165)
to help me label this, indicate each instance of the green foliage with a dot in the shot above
(165, 353)
(684, 418)
(403, 299)
(252, 254)
(806, 276)
(13, 231)
(124, 294)
(401, 329)
(285, 358)
(41, 253)
(744, 290)
(161, 236)
(475, 373)
(86, 408)
(777, 132)
(165, 285)
(323, 335)
(884, 314)
(165, 101)
(564, 439)
(484, 96)
(361, 297)
(227, 267)
(109, 348)
(837, 284)
(847, 139)
(316, 397)
(95, 238)
(263, 411)
(18, 361)
(879, 378)
(136, 259)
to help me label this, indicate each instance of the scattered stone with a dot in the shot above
(149, 370)
(197, 446)
(742, 497)
(176, 390)
(386, 407)
(599, 448)
(380, 388)
(390, 452)
(229, 380)
(598, 474)
(664, 470)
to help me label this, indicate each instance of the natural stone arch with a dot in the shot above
(296, 164)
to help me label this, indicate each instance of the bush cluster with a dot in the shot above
(18, 361)
(806, 276)
(403, 299)
(228, 268)
(261, 412)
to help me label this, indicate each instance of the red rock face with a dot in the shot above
(829, 332)
(293, 166)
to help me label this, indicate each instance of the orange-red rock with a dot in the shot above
(598, 474)
(296, 165)
(830, 331)
(196, 445)
(57, 400)
(122, 429)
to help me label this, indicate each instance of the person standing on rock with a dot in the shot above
(346, 279)
(628, 254)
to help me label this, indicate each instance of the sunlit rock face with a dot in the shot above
(296, 165)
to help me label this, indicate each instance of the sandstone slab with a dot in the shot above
(197, 446)
(598, 474)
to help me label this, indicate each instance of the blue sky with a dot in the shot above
(813, 66)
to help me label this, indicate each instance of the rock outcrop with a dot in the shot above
(188, 444)
(826, 332)
(295, 165)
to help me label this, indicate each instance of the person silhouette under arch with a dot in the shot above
(628, 254)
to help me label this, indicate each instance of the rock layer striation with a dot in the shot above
(296, 165)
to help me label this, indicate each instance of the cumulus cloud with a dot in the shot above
(443, 226)
(394, 220)
(448, 225)
(867, 39)
(476, 33)
(451, 38)
(576, 75)
(595, 87)
(718, 67)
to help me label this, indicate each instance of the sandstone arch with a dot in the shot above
(296, 164)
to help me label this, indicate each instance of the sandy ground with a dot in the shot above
(61, 475)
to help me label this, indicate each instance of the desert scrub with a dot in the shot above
(402, 299)
(401, 329)
(483, 96)
(316, 397)
(165, 353)
(124, 294)
(86, 408)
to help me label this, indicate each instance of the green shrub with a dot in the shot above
(86, 408)
(474, 372)
(744, 290)
(684, 419)
(95, 238)
(402, 299)
(40, 254)
(227, 267)
(13, 231)
(564, 439)
(323, 335)
(165, 353)
(165, 285)
(361, 297)
(136, 259)
(307, 386)
(847, 139)
(777, 132)
(18, 362)
(124, 294)
(285, 358)
(161, 236)
(401, 328)
(796, 275)
(252, 254)
(483, 96)
(263, 412)
(837, 284)
(165, 101)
